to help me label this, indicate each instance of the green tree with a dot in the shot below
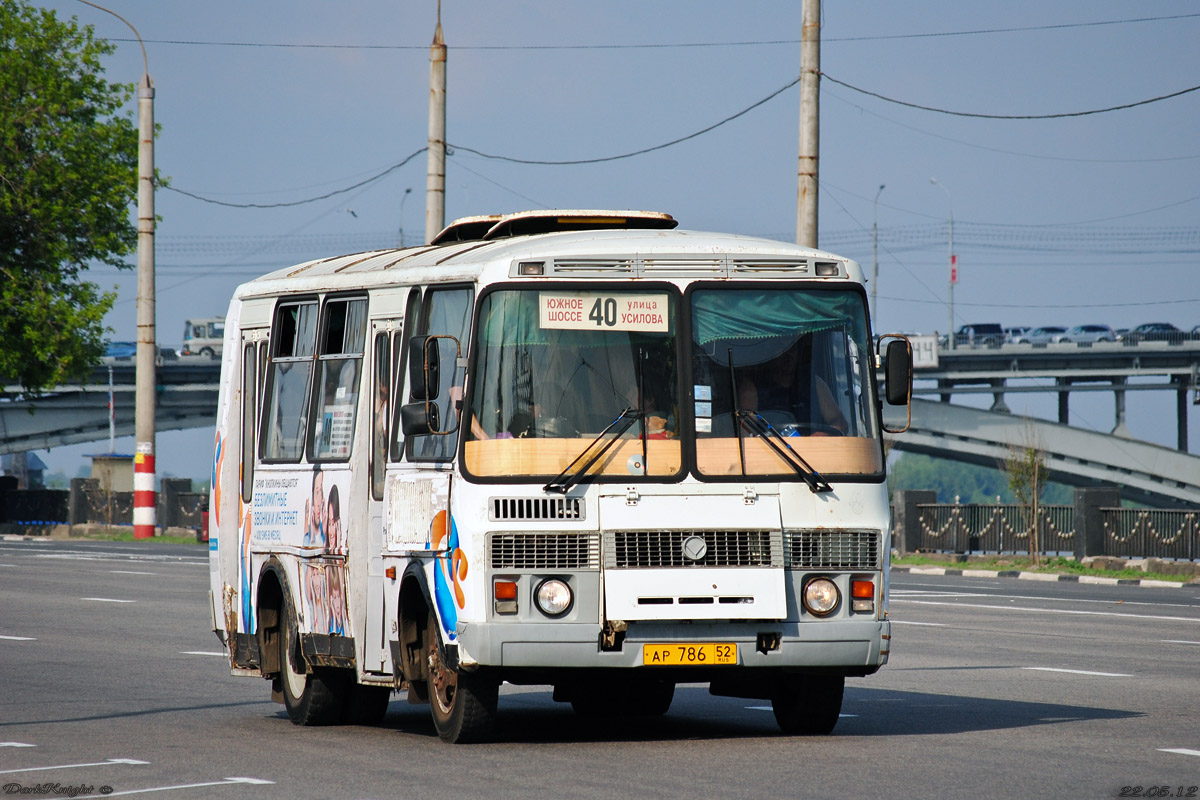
(68, 175)
(1026, 468)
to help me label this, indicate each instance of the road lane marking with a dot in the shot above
(73, 766)
(771, 708)
(130, 572)
(226, 782)
(1183, 751)
(19, 638)
(1047, 610)
(1080, 672)
(928, 624)
(912, 592)
(1178, 641)
(107, 600)
(16, 744)
(200, 653)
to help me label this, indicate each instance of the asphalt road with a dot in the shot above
(997, 688)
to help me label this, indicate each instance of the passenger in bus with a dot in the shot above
(785, 392)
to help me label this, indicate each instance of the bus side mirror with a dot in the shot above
(423, 368)
(898, 367)
(419, 419)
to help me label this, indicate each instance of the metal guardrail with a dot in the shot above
(1152, 533)
(1001, 529)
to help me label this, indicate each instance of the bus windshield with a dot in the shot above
(778, 384)
(554, 368)
(781, 372)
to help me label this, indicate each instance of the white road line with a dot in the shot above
(928, 624)
(8, 565)
(200, 653)
(1080, 600)
(19, 638)
(73, 766)
(130, 572)
(1048, 610)
(1080, 672)
(107, 600)
(16, 744)
(769, 708)
(226, 782)
(1183, 751)
(1178, 641)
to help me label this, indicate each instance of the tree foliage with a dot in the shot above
(68, 176)
(969, 483)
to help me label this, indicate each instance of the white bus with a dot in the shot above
(578, 449)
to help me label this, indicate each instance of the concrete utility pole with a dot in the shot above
(810, 75)
(435, 180)
(145, 500)
(953, 265)
(875, 257)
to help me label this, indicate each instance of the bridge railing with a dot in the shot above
(1094, 526)
(1000, 528)
(1152, 533)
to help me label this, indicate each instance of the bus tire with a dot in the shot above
(463, 704)
(366, 705)
(311, 698)
(207, 352)
(808, 705)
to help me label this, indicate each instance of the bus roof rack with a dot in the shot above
(527, 223)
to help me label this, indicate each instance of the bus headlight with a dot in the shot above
(821, 596)
(553, 597)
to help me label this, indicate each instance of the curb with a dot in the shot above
(1046, 576)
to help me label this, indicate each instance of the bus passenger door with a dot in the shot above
(384, 335)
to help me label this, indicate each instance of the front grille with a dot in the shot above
(825, 549)
(625, 549)
(544, 550)
(533, 509)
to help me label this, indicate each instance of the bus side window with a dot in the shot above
(285, 418)
(249, 414)
(412, 313)
(335, 396)
(447, 312)
(380, 408)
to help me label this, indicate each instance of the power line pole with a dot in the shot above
(145, 498)
(435, 179)
(810, 75)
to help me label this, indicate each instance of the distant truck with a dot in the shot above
(203, 337)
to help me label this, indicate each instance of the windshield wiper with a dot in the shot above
(566, 479)
(760, 427)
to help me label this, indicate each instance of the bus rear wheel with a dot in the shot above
(463, 704)
(808, 705)
(311, 698)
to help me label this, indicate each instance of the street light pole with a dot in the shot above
(145, 499)
(403, 200)
(875, 257)
(953, 271)
(810, 97)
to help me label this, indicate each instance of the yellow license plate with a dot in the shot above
(689, 655)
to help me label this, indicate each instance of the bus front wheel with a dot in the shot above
(463, 704)
(808, 705)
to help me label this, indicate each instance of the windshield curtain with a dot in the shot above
(796, 359)
(555, 367)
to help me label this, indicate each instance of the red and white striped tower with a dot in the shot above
(145, 499)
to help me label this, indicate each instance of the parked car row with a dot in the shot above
(992, 334)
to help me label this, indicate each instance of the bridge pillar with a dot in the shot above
(1181, 411)
(906, 528)
(1064, 400)
(998, 404)
(1089, 522)
(1119, 429)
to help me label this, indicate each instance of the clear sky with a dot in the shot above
(1092, 218)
